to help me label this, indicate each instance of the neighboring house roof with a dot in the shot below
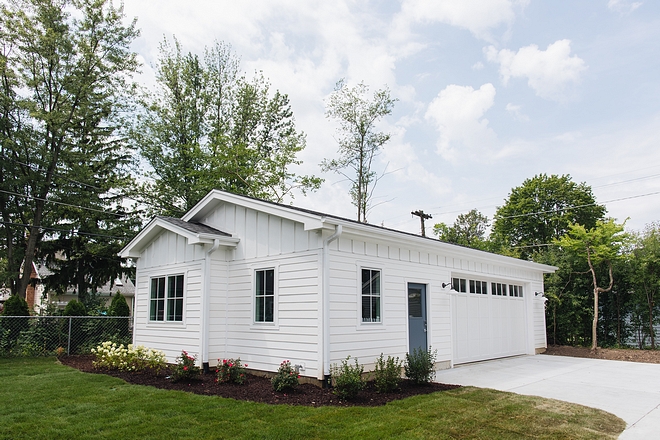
(312, 220)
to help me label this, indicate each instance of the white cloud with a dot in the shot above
(458, 113)
(478, 65)
(549, 72)
(623, 6)
(477, 16)
(516, 113)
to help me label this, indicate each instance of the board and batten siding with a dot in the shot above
(166, 255)
(261, 234)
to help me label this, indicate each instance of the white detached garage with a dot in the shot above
(241, 277)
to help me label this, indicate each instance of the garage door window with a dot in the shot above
(459, 284)
(516, 291)
(479, 287)
(498, 289)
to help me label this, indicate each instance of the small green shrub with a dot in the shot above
(387, 374)
(347, 379)
(75, 308)
(186, 367)
(16, 306)
(420, 365)
(286, 378)
(131, 358)
(231, 371)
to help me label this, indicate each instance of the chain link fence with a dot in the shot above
(48, 335)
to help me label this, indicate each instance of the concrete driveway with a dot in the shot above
(630, 390)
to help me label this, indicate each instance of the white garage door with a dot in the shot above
(487, 327)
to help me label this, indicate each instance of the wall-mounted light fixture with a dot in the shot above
(538, 293)
(446, 284)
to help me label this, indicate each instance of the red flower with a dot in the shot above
(185, 368)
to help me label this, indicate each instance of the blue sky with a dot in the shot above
(491, 92)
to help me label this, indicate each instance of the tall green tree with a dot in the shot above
(541, 210)
(359, 141)
(65, 66)
(469, 229)
(206, 126)
(599, 246)
(646, 268)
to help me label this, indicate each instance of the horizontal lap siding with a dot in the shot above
(171, 337)
(366, 341)
(294, 335)
(504, 331)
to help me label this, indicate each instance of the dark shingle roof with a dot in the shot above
(197, 228)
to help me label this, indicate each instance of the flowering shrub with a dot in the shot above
(186, 367)
(347, 379)
(420, 365)
(387, 374)
(130, 358)
(286, 378)
(231, 371)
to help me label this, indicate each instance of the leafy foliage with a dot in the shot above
(206, 127)
(186, 367)
(119, 306)
(347, 379)
(64, 76)
(387, 374)
(599, 246)
(468, 230)
(420, 365)
(286, 377)
(231, 371)
(358, 115)
(129, 358)
(541, 210)
(74, 308)
(16, 306)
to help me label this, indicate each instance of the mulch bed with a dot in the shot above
(614, 354)
(259, 389)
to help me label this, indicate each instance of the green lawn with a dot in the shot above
(43, 399)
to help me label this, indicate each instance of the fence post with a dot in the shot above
(68, 345)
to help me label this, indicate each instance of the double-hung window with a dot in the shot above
(371, 295)
(264, 295)
(166, 302)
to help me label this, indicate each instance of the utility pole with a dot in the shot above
(422, 217)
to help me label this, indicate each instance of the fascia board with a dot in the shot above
(428, 244)
(157, 225)
(208, 203)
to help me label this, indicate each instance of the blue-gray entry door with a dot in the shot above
(417, 316)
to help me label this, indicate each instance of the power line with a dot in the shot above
(62, 203)
(45, 228)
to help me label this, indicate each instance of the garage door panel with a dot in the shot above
(487, 327)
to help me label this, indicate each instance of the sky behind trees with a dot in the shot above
(491, 92)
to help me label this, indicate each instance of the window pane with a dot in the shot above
(415, 303)
(270, 282)
(375, 309)
(375, 282)
(463, 289)
(259, 309)
(366, 309)
(261, 283)
(366, 282)
(268, 308)
(472, 287)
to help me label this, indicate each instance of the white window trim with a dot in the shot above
(362, 325)
(166, 322)
(258, 325)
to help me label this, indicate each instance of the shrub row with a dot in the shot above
(346, 377)
(418, 367)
